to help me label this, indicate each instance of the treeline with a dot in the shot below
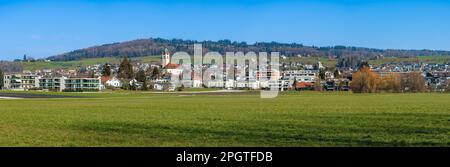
(154, 46)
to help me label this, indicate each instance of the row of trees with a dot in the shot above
(367, 81)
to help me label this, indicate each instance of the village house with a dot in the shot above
(112, 82)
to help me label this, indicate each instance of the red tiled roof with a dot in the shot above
(105, 79)
(171, 66)
(304, 85)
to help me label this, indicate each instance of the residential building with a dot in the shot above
(52, 83)
(82, 84)
(29, 81)
(114, 82)
(300, 75)
(281, 85)
(25, 81)
(173, 69)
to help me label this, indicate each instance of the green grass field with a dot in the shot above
(292, 119)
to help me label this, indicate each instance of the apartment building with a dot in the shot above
(28, 81)
(300, 75)
(82, 84)
(52, 83)
(19, 82)
(69, 84)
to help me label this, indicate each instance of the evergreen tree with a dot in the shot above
(106, 72)
(155, 73)
(294, 85)
(126, 69)
(322, 74)
(140, 76)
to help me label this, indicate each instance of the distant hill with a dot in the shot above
(154, 46)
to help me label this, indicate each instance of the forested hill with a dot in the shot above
(154, 46)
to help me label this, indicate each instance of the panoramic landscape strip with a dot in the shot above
(161, 101)
(248, 73)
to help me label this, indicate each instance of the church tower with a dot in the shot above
(165, 58)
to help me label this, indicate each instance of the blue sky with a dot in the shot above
(45, 28)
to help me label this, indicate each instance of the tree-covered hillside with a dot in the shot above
(154, 46)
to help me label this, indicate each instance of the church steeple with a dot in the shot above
(165, 58)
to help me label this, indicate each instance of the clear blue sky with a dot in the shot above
(45, 28)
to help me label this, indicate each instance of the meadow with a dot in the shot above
(292, 119)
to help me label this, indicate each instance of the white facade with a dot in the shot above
(175, 72)
(158, 87)
(300, 75)
(281, 85)
(52, 83)
(329, 75)
(7, 82)
(20, 82)
(197, 83)
(114, 82)
(230, 83)
(264, 84)
(215, 84)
